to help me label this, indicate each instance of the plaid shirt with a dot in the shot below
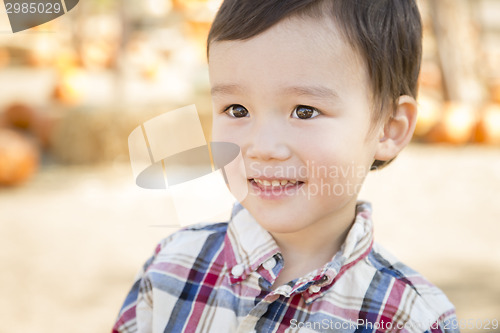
(218, 278)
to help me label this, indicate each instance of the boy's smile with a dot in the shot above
(297, 100)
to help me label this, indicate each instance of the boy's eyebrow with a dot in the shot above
(225, 89)
(316, 91)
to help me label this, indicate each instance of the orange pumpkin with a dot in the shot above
(495, 91)
(2, 120)
(429, 112)
(19, 158)
(4, 57)
(488, 127)
(98, 54)
(183, 5)
(70, 89)
(457, 125)
(19, 115)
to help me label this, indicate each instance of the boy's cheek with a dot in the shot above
(343, 169)
(235, 176)
(218, 134)
(223, 132)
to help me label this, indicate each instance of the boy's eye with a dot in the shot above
(237, 111)
(304, 112)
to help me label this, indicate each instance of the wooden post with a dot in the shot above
(459, 47)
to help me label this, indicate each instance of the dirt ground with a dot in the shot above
(73, 238)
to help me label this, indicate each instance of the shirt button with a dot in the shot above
(237, 270)
(270, 263)
(314, 289)
(286, 289)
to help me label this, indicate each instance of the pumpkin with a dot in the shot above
(488, 127)
(19, 158)
(4, 57)
(98, 54)
(70, 88)
(457, 125)
(19, 115)
(429, 113)
(495, 91)
(183, 5)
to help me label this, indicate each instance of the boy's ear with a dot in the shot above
(398, 130)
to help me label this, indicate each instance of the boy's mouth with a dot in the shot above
(275, 186)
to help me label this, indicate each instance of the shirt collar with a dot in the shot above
(248, 245)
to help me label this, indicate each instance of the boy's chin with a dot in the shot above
(276, 220)
(280, 227)
(294, 218)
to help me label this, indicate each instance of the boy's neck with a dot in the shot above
(311, 248)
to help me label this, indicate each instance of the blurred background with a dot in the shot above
(74, 227)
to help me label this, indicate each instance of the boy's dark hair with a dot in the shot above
(387, 34)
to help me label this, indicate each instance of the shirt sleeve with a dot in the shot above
(136, 312)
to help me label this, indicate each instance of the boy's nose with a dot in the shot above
(267, 142)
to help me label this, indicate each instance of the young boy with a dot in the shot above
(315, 93)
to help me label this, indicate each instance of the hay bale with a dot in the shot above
(100, 135)
(95, 135)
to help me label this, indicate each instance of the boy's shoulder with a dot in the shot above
(388, 264)
(205, 228)
(405, 289)
(196, 232)
(192, 239)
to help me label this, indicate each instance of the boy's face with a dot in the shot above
(296, 100)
